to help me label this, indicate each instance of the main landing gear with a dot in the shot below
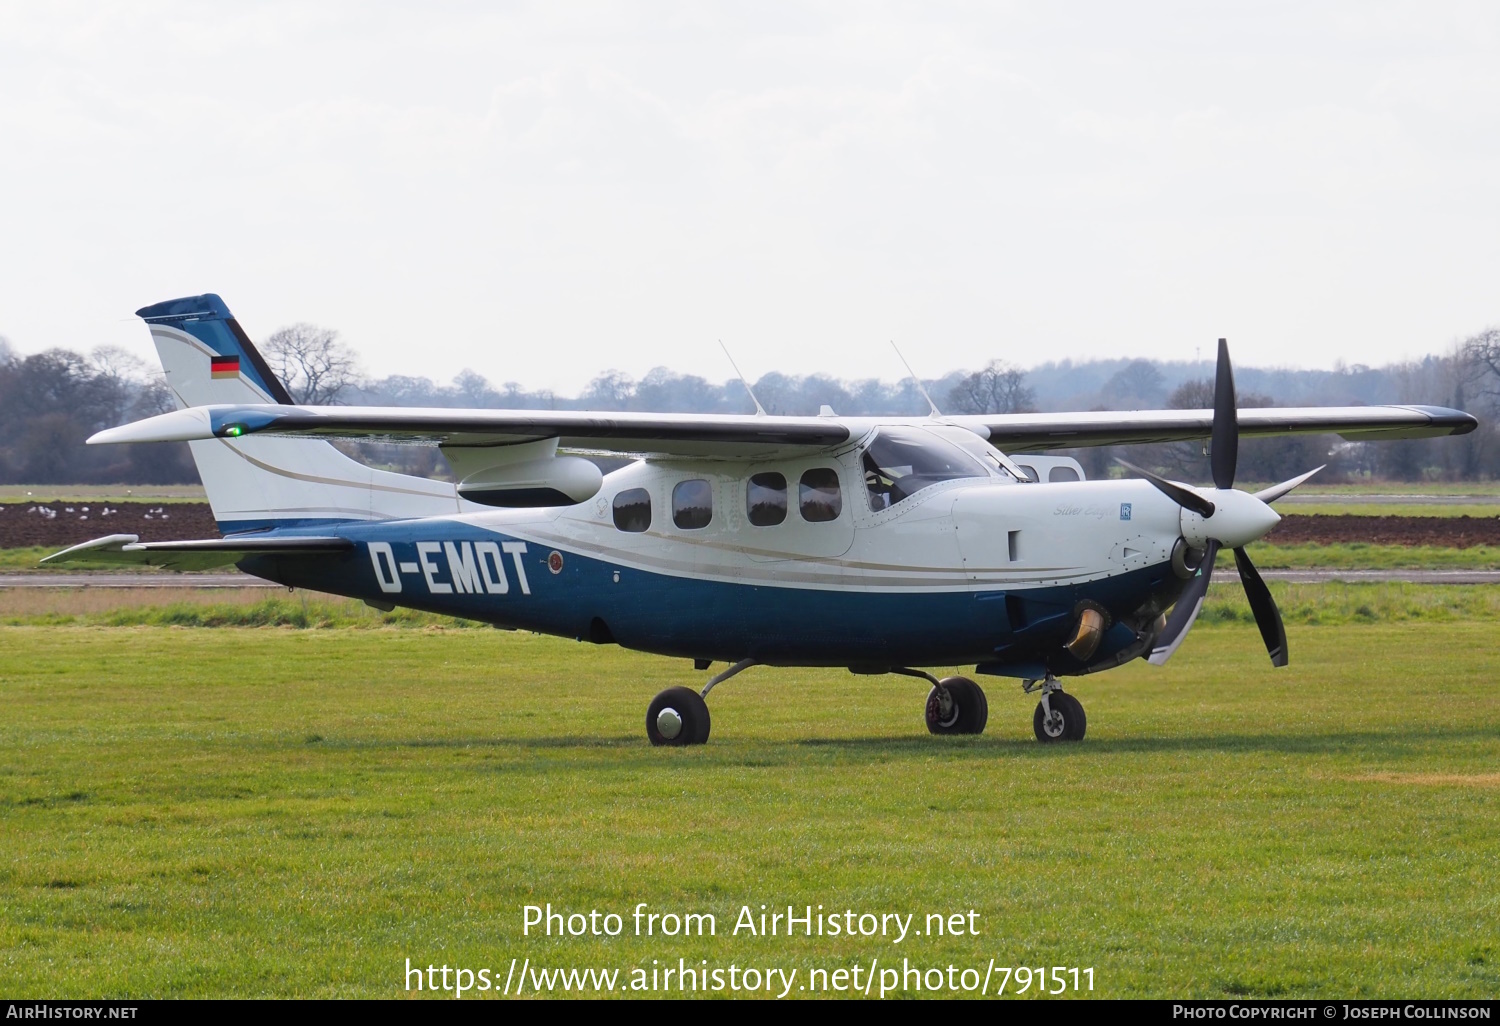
(1059, 716)
(955, 705)
(679, 716)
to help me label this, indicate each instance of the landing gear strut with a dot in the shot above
(955, 705)
(1059, 716)
(679, 716)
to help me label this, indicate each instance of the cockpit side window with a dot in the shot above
(899, 463)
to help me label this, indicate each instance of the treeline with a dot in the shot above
(50, 402)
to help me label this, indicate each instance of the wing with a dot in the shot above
(1027, 432)
(634, 433)
(198, 554)
(752, 436)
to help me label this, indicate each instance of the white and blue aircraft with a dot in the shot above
(880, 544)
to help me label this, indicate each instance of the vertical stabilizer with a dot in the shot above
(255, 483)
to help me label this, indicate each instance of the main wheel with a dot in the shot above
(677, 716)
(966, 710)
(1067, 722)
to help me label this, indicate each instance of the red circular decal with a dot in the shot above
(554, 562)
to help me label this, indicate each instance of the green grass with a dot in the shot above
(1336, 603)
(12, 560)
(1359, 556)
(248, 812)
(305, 610)
(1487, 489)
(102, 493)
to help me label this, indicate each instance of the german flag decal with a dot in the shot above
(225, 366)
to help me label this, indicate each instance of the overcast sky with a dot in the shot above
(541, 192)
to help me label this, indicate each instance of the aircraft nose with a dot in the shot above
(1239, 518)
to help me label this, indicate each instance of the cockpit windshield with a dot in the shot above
(901, 462)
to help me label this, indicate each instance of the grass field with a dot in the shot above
(103, 493)
(263, 811)
(1359, 556)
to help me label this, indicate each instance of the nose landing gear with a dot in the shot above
(1059, 716)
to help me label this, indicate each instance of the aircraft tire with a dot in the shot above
(972, 710)
(1074, 724)
(692, 720)
(1078, 722)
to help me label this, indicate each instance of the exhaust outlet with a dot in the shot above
(1092, 622)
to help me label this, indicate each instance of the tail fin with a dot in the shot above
(256, 483)
(207, 356)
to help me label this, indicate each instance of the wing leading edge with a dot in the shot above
(747, 436)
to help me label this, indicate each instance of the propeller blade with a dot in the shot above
(1271, 494)
(1180, 494)
(1267, 616)
(1225, 441)
(1186, 610)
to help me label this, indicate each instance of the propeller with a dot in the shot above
(1227, 517)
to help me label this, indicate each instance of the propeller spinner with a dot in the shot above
(1225, 517)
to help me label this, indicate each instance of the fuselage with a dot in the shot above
(809, 560)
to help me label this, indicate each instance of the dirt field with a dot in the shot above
(68, 523)
(1450, 532)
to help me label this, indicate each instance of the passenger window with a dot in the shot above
(765, 499)
(692, 504)
(1057, 474)
(633, 510)
(1030, 472)
(820, 498)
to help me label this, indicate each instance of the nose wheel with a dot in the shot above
(1059, 717)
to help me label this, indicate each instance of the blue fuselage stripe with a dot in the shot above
(573, 595)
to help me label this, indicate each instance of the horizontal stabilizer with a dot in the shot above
(196, 554)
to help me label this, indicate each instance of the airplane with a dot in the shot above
(879, 544)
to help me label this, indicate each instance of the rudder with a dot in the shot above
(256, 483)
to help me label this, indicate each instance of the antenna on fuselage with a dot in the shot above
(760, 411)
(936, 413)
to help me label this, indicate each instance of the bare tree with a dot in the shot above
(7, 352)
(316, 368)
(1479, 360)
(999, 388)
(116, 364)
(611, 390)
